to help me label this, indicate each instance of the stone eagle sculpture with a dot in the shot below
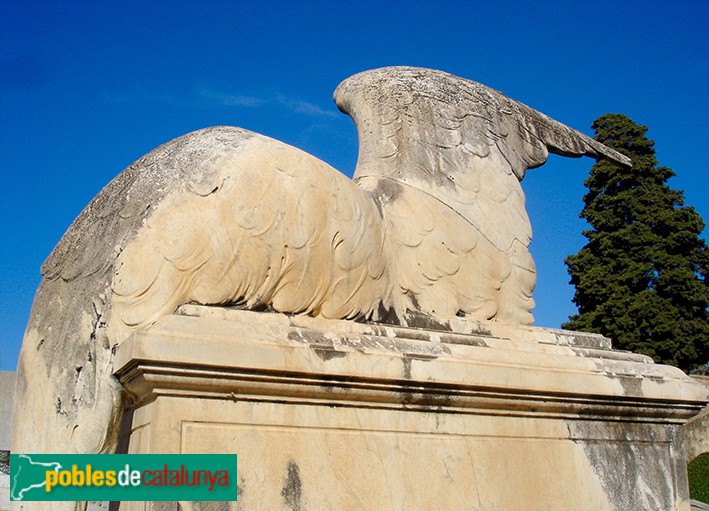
(433, 223)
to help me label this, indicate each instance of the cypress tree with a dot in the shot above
(641, 279)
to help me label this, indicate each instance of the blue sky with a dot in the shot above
(88, 87)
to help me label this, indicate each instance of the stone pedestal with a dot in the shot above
(342, 415)
(696, 431)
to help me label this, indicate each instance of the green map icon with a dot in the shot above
(29, 477)
(124, 477)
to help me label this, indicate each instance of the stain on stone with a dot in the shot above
(312, 337)
(295, 335)
(169, 506)
(384, 315)
(292, 487)
(418, 320)
(420, 356)
(407, 398)
(585, 340)
(481, 330)
(464, 340)
(240, 487)
(407, 367)
(427, 402)
(340, 389)
(631, 386)
(326, 354)
(436, 401)
(660, 380)
(414, 301)
(5, 463)
(632, 472)
(387, 190)
(416, 335)
(317, 337)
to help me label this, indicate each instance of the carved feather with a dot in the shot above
(433, 223)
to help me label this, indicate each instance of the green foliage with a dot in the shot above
(698, 470)
(641, 279)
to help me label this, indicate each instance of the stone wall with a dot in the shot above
(329, 414)
(696, 430)
(7, 390)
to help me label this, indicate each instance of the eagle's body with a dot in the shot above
(433, 223)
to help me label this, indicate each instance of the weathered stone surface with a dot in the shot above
(7, 391)
(433, 227)
(5, 481)
(329, 414)
(696, 430)
(427, 134)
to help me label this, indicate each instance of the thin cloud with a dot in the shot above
(299, 106)
(221, 99)
(232, 100)
(140, 95)
(295, 105)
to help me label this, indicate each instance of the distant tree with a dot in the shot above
(641, 279)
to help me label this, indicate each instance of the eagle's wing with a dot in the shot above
(217, 216)
(457, 140)
(433, 145)
(282, 230)
(65, 366)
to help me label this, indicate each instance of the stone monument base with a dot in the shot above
(342, 415)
